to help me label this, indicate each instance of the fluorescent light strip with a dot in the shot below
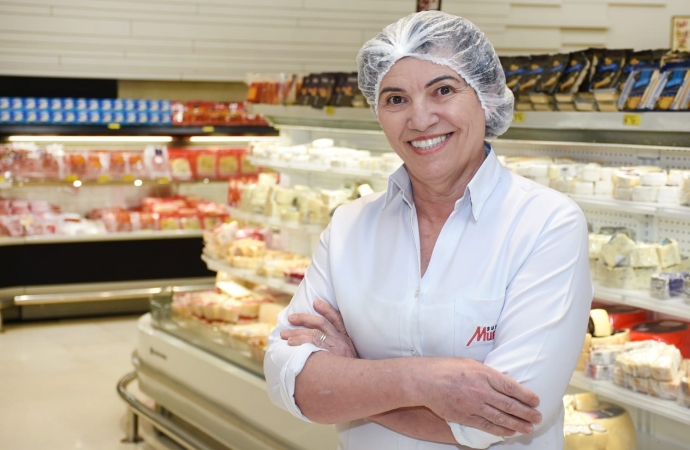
(157, 139)
(204, 139)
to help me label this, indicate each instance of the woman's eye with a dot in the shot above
(444, 90)
(395, 100)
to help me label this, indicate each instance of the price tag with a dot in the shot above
(103, 178)
(2, 179)
(330, 110)
(163, 180)
(208, 129)
(113, 126)
(128, 177)
(632, 120)
(71, 178)
(518, 117)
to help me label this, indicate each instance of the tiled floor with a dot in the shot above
(57, 384)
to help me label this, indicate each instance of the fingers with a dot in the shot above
(302, 336)
(507, 421)
(313, 322)
(331, 314)
(512, 388)
(490, 427)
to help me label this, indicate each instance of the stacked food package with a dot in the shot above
(210, 163)
(213, 113)
(646, 184)
(38, 217)
(30, 162)
(600, 79)
(240, 316)
(316, 89)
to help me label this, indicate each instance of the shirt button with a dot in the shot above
(416, 294)
(414, 352)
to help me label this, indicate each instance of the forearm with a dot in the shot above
(334, 389)
(417, 423)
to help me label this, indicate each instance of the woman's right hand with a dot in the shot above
(467, 392)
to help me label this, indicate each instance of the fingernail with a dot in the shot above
(536, 418)
(527, 429)
(292, 317)
(318, 302)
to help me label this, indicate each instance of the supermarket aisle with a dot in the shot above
(57, 384)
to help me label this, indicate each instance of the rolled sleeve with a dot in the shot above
(283, 363)
(540, 332)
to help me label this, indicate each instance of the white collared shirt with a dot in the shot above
(508, 285)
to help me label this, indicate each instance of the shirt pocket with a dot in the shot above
(475, 327)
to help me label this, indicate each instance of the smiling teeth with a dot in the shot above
(426, 144)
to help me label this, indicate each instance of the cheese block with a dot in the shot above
(233, 289)
(646, 194)
(599, 324)
(582, 361)
(622, 193)
(644, 255)
(588, 343)
(667, 365)
(604, 355)
(626, 179)
(653, 179)
(669, 195)
(606, 173)
(669, 253)
(603, 188)
(615, 252)
(560, 184)
(591, 172)
(615, 277)
(642, 277)
(675, 177)
(618, 338)
(537, 170)
(323, 143)
(582, 188)
(599, 372)
(544, 181)
(283, 196)
(641, 385)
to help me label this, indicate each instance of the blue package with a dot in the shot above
(154, 118)
(5, 116)
(16, 103)
(82, 117)
(118, 117)
(30, 115)
(130, 117)
(56, 104)
(94, 117)
(107, 104)
(81, 104)
(70, 117)
(29, 103)
(164, 105)
(94, 104)
(57, 117)
(107, 117)
(141, 105)
(5, 103)
(154, 106)
(166, 118)
(118, 105)
(44, 116)
(68, 104)
(142, 118)
(17, 116)
(129, 105)
(43, 103)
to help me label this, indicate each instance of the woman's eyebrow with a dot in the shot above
(442, 78)
(391, 89)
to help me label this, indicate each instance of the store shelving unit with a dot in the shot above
(132, 130)
(249, 275)
(237, 213)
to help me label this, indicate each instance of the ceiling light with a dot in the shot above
(207, 139)
(149, 139)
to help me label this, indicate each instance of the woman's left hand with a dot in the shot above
(326, 331)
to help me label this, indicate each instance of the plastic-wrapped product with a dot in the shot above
(667, 365)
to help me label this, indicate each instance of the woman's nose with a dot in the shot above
(422, 116)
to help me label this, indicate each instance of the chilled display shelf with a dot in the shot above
(133, 130)
(641, 299)
(285, 165)
(237, 213)
(654, 209)
(249, 275)
(130, 236)
(666, 408)
(362, 118)
(4, 184)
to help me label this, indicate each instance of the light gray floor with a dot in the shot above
(57, 384)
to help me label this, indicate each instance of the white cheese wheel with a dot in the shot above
(582, 188)
(626, 179)
(653, 179)
(591, 172)
(622, 193)
(322, 143)
(606, 173)
(600, 323)
(603, 188)
(645, 194)
(669, 195)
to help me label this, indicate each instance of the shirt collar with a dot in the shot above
(480, 187)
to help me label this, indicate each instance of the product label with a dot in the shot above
(632, 120)
(518, 117)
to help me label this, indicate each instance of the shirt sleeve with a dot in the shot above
(282, 362)
(541, 329)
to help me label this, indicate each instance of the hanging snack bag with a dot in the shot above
(573, 76)
(528, 82)
(668, 94)
(584, 101)
(608, 77)
(545, 88)
(324, 90)
(514, 68)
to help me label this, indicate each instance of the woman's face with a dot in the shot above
(432, 119)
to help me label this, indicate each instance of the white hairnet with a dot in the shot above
(444, 39)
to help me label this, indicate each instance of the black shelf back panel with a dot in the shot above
(57, 87)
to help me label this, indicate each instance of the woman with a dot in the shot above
(442, 312)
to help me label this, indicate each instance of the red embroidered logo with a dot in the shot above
(483, 334)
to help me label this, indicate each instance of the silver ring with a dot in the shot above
(323, 337)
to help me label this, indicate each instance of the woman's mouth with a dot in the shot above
(428, 144)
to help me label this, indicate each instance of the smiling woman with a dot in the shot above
(450, 310)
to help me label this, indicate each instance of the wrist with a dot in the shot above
(410, 373)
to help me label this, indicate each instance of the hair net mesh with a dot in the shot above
(444, 39)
